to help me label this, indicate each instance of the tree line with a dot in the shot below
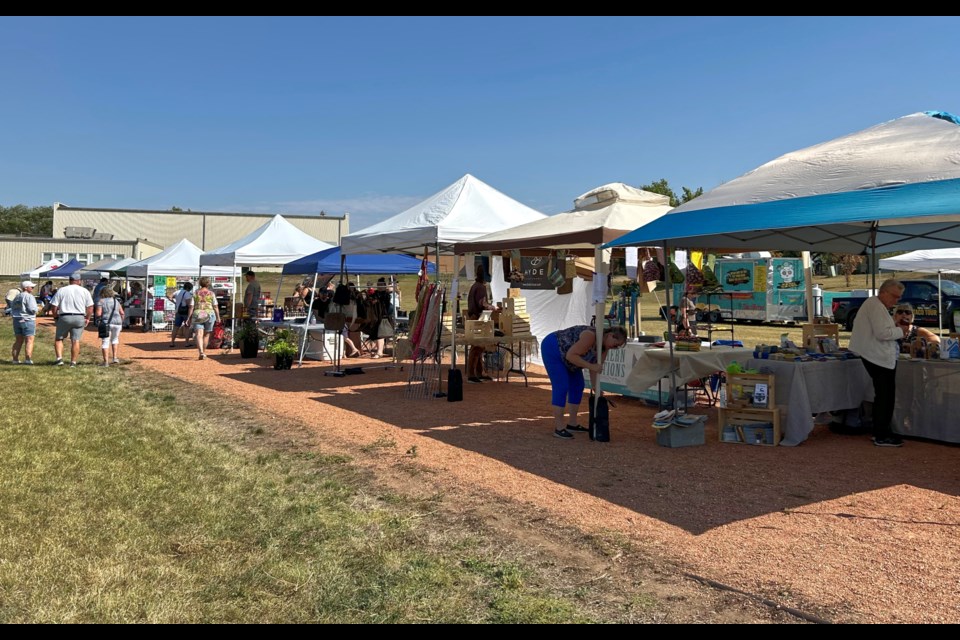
(29, 221)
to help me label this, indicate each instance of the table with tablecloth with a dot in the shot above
(928, 399)
(807, 388)
(648, 365)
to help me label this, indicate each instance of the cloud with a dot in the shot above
(364, 211)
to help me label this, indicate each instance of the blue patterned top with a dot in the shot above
(568, 337)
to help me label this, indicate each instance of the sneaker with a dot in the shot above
(172, 346)
(14, 362)
(892, 441)
(203, 356)
(474, 380)
(486, 378)
(72, 364)
(58, 362)
(563, 434)
(102, 364)
(116, 361)
(576, 427)
(28, 361)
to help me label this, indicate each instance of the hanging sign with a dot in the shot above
(536, 273)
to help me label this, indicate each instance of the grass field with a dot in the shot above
(134, 498)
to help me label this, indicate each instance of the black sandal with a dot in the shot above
(577, 427)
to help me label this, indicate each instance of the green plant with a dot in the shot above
(282, 348)
(247, 331)
(283, 342)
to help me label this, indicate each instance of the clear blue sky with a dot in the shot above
(370, 115)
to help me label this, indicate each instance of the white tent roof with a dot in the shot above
(893, 186)
(275, 243)
(180, 259)
(46, 266)
(465, 210)
(601, 215)
(120, 264)
(925, 261)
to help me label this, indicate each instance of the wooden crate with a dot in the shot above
(813, 332)
(744, 426)
(478, 329)
(742, 388)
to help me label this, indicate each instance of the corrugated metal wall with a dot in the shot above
(22, 254)
(206, 230)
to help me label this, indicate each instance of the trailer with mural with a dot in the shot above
(758, 290)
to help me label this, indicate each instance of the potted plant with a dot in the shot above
(248, 337)
(283, 346)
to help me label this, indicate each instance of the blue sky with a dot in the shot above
(371, 115)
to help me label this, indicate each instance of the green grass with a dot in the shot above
(131, 498)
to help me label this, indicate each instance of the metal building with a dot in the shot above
(206, 229)
(19, 254)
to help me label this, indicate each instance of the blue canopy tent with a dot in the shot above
(894, 186)
(64, 270)
(332, 260)
(329, 261)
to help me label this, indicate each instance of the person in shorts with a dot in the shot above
(72, 307)
(110, 313)
(23, 308)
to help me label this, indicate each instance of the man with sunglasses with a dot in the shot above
(874, 339)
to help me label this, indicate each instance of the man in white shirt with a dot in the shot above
(874, 339)
(72, 307)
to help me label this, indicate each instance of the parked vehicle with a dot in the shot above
(922, 294)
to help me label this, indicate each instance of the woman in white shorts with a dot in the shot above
(110, 314)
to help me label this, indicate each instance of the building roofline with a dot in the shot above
(315, 216)
(8, 238)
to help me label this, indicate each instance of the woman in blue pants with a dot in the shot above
(566, 353)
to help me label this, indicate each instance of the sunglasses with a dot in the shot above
(904, 313)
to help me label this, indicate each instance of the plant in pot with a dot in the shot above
(283, 346)
(248, 337)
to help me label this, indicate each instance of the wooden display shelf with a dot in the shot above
(743, 426)
(742, 391)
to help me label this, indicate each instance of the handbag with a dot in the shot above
(599, 422)
(384, 329)
(103, 329)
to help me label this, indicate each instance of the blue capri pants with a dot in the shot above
(566, 385)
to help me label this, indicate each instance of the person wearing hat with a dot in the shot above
(24, 312)
(72, 307)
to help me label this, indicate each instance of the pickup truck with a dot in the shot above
(922, 294)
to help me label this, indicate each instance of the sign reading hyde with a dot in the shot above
(536, 273)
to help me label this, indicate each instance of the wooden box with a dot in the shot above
(811, 333)
(742, 391)
(513, 292)
(478, 329)
(750, 426)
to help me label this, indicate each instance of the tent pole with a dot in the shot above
(940, 300)
(440, 393)
(808, 286)
(453, 298)
(599, 271)
(306, 324)
(673, 365)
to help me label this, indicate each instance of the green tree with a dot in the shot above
(21, 219)
(662, 187)
(175, 209)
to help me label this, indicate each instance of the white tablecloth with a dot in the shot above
(806, 388)
(651, 364)
(928, 399)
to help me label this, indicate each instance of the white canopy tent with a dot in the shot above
(180, 259)
(937, 261)
(466, 209)
(43, 268)
(272, 245)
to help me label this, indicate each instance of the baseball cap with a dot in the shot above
(75, 276)
(26, 283)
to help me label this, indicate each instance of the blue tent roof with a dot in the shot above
(64, 270)
(328, 261)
